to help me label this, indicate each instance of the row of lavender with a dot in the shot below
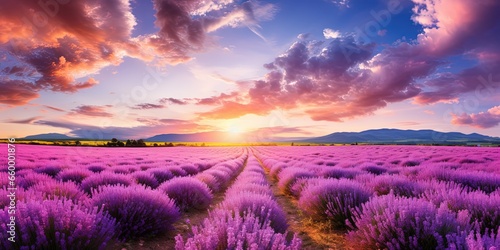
(396, 197)
(93, 203)
(248, 218)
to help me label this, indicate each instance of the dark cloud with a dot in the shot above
(91, 110)
(184, 25)
(16, 92)
(173, 101)
(57, 45)
(148, 106)
(52, 43)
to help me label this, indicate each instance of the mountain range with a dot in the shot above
(401, 136)
(49, 136)
(368, 136)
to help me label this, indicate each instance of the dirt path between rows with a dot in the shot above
(182, 226)
(314, 235)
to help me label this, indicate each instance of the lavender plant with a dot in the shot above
(57, 224)
(138, 211)
(188, 193)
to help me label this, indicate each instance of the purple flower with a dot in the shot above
(51, 171)
(138, 211)
(333, 200)
(145, 178)
(57, 224)
(103, 179)
(96, 168)
(390, 222)
(258, 204)
(161, 174)
(31, 178)
(188, 193)
(56, 190)
(225, 230)
(75, 175)
(288, 176)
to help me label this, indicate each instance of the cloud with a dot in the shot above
(488, 119)
(465, 28)
(162, 103)
(216, 100)
(16, 92)
(91, 110)
(277, 130)
(54, 108)
(184, 25)
(341, 3)
(30, 120)
(173, 101)
(343, 78)
(58, 45)
(330, 33)
(429, 112)
(148, 106)
(324, 80)
(53, 43)
(152, 127)
(407, 123)
(382, 32)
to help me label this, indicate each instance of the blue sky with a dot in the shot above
(318, 66)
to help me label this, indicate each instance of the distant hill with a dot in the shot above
(401, 136)
(49, 136)
(214, 136)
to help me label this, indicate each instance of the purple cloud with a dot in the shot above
(148, 106)
(488, 119)
(91, 110)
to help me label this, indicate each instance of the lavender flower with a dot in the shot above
(333, 200)
(188, 193)
(138, 211)
(75, 175)
(103, 179)
(57, 224)
(390, 222)
(145, 178)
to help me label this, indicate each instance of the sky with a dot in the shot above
(282, 68)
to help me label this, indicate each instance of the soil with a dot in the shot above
(314, 235)
(182, 227)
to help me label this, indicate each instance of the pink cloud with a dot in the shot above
(462, 27)
(91, 110)
(328, 83)
(30, 120)
(16, 92)
(488, 119)
(345, 79)
(54, 108)
(54, 43)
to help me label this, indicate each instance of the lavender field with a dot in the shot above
(336, 197)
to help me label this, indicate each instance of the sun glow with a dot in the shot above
(235, 129)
